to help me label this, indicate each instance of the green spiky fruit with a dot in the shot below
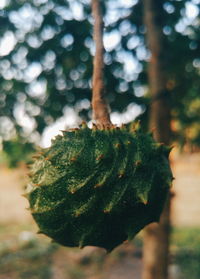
(98, 187)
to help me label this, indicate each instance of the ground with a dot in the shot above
(24, 254)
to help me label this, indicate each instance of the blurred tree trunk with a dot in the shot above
(156, 238)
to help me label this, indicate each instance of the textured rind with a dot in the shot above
(98, 187)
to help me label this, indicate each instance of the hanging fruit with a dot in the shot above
(98, 186)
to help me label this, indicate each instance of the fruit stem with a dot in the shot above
(99, 104)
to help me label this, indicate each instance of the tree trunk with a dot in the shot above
(156, 238)
(100, 108)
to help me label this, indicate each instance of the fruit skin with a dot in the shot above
(98, 187)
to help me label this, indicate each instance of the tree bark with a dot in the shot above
(156, 236)
(99, 105)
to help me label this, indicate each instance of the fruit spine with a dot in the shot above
(98, 187)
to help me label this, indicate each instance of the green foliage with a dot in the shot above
(186, 243)
(17, 151)
(186, 239)
(53, 41)
(98, 187)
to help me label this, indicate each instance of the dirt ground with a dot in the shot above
(185, 213)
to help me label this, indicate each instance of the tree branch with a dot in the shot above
(99, 105)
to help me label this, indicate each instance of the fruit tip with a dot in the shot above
(77, 214)
(25, 195)
(36, 156)
(100, 157)
(113, 127)
(143, 198)
(94, 127)
(135, 126)
(84, 125)
(120, 175)
(138, 163)
(117, 145)
(73, 159)
(37, 184)
(75, 130)
(106, 211)
(172, 146)
(123, 127)
(98, 185)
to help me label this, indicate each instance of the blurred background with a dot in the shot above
(46, 53)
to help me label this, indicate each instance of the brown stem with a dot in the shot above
(99, 105)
